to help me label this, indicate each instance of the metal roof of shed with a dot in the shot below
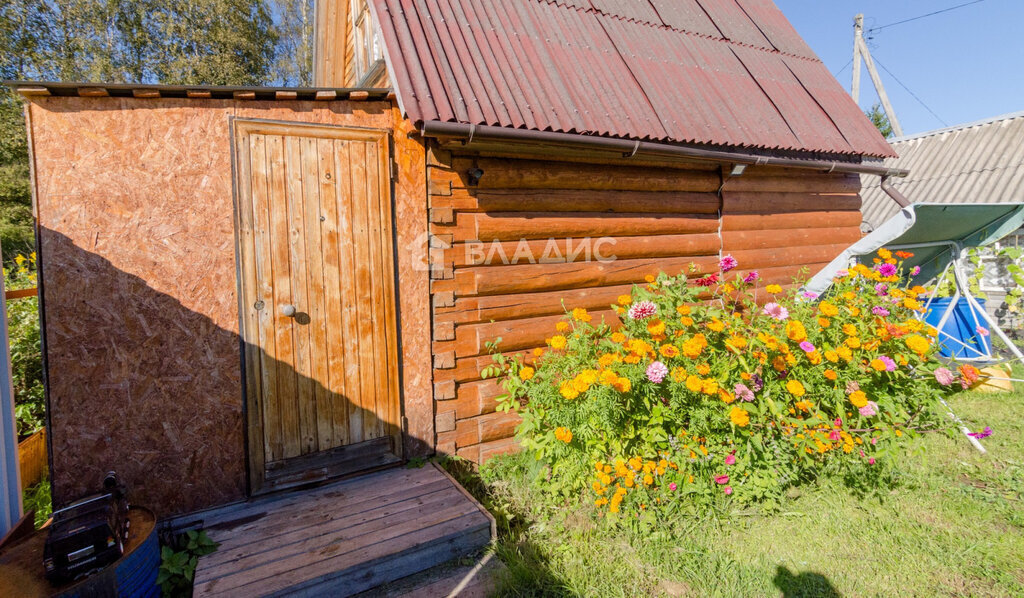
(723, 72)
(979, 162)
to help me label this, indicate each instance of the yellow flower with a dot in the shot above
(557, 342)
(608, 378)
(774, 289)
(853, 342)
(709, 386)
(703, 369)
(562, 326)
(648, 479)
(692, 348)
(918, 344)
(795, 330)
(824, 322)
(913, 304)
(618, 337)
(538, 352)
(739, 417)
(694, 383)
(669, 351)
(831, 374)
(526, 373)
(884, 253)
(649, 278)
(567, 390)
(845, 353)
(685, 321)
(625, 300)
(656, 327)
(580, 314)
(878, 365)
(795, 388)
(726, 396)
(849, 330)
(828, 309)
(563, 434)
(858, 398)
(831, 356)
(623, 385)
(803, 405)
(716, 325)
(683, 310)
(607, 359)
(678, 374)
(736, 342)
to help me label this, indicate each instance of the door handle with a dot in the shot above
(288, 310)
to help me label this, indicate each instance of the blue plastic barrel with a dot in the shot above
(960, 326)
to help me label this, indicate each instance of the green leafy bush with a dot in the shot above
(703, 395)
(26, 352)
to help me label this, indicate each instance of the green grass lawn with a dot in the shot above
(951, 525)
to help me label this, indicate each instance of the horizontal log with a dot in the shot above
(542, 174)
(489, 450)
(775, 222)
(787, 256)
(799, 183)
(529, 305)
(613, 159)
(531, 278)
(513, 226)
(471, 339)
(479, 397)
(485, 428)
(562, 250)
(753, 202)
(792, 237)
(574, 200)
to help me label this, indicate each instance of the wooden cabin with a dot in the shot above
(249, 289)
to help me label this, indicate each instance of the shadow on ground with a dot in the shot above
(804, 585)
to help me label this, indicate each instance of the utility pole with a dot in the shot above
(860, 50)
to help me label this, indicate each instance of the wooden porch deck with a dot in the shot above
(343, 538)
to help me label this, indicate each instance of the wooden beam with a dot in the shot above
(197, 93)
(330, 24)
(146, 93)
(285, 95)
(326, 95)
(93, 92)
(34, 91)
(359, 96)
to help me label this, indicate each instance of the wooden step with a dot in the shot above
(344, 538)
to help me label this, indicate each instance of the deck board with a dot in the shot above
(343, 538)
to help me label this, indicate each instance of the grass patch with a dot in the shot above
(951, 524)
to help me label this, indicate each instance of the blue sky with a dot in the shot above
(966, 64)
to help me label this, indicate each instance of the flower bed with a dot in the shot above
(705, 394)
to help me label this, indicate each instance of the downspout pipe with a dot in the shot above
(893, 192)
(470, 134)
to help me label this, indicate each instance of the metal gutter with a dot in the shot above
(893, 192)
(469, 134)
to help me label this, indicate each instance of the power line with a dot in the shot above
(840, 71)
(938, 12)
(914, 95)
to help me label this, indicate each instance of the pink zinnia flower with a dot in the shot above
(751, 277)
(642, 310)
(874, 441)
(672, 486)
(870, 409)
(656, 372)
(871, 461)
(981, 330)
(807, 347)
(728, 262)
(915, 270)
(842, 273)
(881, 289)
(775, 311)
(728, 490)
(834, 435)
(721, 479)
(886, 269)
(743, 393)
(878, 310)
(730, 459)
(983, 434)
(944, 377)
(810, 295)
(838, 422)
(890, 365)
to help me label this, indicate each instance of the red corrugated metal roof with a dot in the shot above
(723, 72)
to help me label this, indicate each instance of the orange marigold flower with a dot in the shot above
(828, 309)
(831, 374)
(726, 396)
(694, 383)
(850, 330)
(608, 378)
(625, 299)
(845, 353)
(526, 373)
(703, 369)
(618, 337)
(853, 342)
(580, 314)
(623, 385)
(649, 278)
(686, 321)
(858, 398)
(709, 386)
(683, 310)
(563, 434)
(678, 374)
(740, 417)
(716, 325)
(656, 327)
(831, 356)
(562, 326)
(736, 342)
(669, 351)
(803, 405)
(878, 365)
(568, 391)
(824, 322)
(557, 342)
(918, 344)
(795, 388)
(795, 330)
(538, 352)
(774, 289)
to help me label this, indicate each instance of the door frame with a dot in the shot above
(252, 415)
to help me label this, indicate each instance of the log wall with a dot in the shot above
(650, 217)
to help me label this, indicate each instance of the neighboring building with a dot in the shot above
(249, 289)
(978, 162)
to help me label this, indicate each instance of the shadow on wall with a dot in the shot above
(140, 384)
(804, 585)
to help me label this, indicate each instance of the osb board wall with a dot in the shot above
(661, 219)
(134, 202)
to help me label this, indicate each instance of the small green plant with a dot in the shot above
(179, 558)
(37, 498)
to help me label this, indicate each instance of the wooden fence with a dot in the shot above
(32, 459)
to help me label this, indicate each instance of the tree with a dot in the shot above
(881, 120)
(295, 42)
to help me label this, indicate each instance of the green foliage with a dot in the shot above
(881, 120)
(178, 561)
(37, 498)
(699, 401)
(26, 352)
(1009, 258)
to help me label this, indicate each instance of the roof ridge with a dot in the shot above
(977, 123)
(663, 25)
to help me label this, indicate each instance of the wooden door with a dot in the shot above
(316, 275)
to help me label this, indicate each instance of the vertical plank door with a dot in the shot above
(316, 280)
